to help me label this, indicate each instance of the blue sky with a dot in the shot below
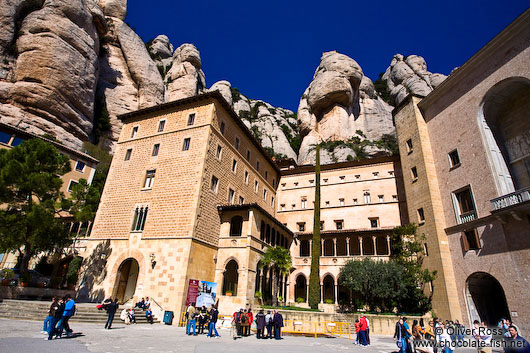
(270, 49)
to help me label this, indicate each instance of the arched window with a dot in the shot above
(268, 234)
(300, 288)
(329, 289)
(236, 226)
(230, 278)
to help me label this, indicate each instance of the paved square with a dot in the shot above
(24, 337)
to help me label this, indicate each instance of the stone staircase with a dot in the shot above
(85, 312)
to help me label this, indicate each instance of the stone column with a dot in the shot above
(361, 245)
(348, 246)
(307, 293)
(321, 293)
(322, 249)
(88, 228)
(375, 244)
(336, 287)
(310, 247)
(388, 244)
(334, 246)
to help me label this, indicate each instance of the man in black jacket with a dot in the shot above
(214, 314)
(111, 308)
(56, 311)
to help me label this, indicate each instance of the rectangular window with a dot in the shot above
(191, 119)
(303, 202)
(156, 147)
(273, 183)
(186, 144)
(71, 185)
(246, 177)
(454, 159)
(214, 184)
(16, 141)
(234, 166)
(266, 175)
(134, 132)
(464, 205)
(339, 224)
(80, 166)
(414, 173)
(425, 249)
(366, 197)
(237, 143)
(241, 200)
(301, 226)
(128, 154)
(140, 215)
(272, 201)
(248, 155)
(341, 202)
(161, 125)
(421, 216)
(149, 179)
(256, 186)
(5, 137)
(409, 146)
(257, 166)
(218, 152)
(374, 222)
(264, 194)
(381, 198)
(222, 128)
(471, 240)
(321, 225)
(231, 195)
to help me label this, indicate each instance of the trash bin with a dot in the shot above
(168, 317)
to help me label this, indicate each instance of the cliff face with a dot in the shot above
(70, 67)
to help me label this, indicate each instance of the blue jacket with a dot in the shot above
(69, 308)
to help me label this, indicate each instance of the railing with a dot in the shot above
(515, 198)
(467, 217)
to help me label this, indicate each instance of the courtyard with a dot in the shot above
(24, 337)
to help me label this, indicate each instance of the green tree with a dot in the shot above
(314, 276)
(407, 250)
(279, 258)
(30, 179)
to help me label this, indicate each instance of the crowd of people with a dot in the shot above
(60, 312)
(362, 328)
(268, 325)
(446, 336)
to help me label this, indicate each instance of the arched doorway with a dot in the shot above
(506, 133)
(485, 299)
(329, 289)
(300, 288)
(126, 280)
(230, 278)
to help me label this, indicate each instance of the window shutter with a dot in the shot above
(465, 243)
(477, 239)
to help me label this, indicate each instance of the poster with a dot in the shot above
(201, 293)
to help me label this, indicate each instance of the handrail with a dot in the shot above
(514, 198)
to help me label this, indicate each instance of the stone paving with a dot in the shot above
(24, 337)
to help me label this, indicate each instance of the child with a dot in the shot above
(357, 329)
(132, 316)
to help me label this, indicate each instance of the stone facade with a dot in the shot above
(361, 202)
(205, 157)
(468, 142)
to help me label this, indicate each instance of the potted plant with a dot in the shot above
(229, 293)
(7, 275)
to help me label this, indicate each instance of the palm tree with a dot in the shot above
(279, 258)
(314, 277)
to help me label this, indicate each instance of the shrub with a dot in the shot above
(382, 89)
(329, 301)
(257, 295)
(73, 270)
(300, 300)
(7, 273)
(236, 95)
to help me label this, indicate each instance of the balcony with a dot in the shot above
(515, 198)
(467, 217)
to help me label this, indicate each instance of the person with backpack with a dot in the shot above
(111, 308)
(245, 325)
(268, 323)
(237, 321)
(260, 325)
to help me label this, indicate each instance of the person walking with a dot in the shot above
(190, 315)
(214, 314)
(56, 310)
(111, 310)
(268, 323)
(260, 325)
(516, 343)
(277, 321)
(49, 318)
(69, 310)
(482, 338)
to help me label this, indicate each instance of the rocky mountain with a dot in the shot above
(70, 67)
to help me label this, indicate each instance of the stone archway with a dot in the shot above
(328, 289)
(485, 299)
(300, 288)
(126, 280)
(231, 278)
